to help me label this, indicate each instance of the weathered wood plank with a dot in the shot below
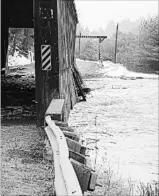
(73, 145)
(93, 181)
(69, 129)
(83, 150)
(77, 157)
(72, 135)
(67, 21)
(55, 109)
(83, 174)
(61, 124)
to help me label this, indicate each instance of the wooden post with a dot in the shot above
(83, 174)
(14, 44)
(5, 49)
(46, 56)
(116, 43)
(99, 50)
(79, 44)
(6, 64)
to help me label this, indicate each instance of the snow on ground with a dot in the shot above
(111, 69)
(18, 60)
(115, 70)
(86, 61)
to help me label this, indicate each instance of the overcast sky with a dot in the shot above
(97, 13)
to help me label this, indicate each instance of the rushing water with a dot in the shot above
(119, 121)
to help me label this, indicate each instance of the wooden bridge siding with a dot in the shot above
(66, 38)
(16, 14)
(4, 46)
(72, 47)
(57, 83)
(47, 82)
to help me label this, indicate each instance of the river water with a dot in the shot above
(119, 122)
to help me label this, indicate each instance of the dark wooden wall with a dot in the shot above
(47, 81)
(67, 20)
(60, 33)
(17, 14)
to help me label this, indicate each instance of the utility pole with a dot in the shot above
(100, 51)
(116, 38)
(6, 50)
(79, 44)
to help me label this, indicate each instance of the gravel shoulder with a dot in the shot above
(24, 168)
(24, 171)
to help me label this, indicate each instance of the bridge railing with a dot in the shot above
(73, 175)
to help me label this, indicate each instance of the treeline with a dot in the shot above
(136, 51)
(21, 40)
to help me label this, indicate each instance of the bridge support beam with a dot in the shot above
(4, 50)
(46, 56)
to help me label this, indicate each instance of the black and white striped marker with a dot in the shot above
(46, 57)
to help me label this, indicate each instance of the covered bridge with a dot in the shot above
(54, 23)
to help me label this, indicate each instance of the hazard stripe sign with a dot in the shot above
(46, 57)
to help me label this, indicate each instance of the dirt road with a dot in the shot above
(24, 170)
(119, 121)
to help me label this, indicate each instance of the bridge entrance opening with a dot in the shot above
(54, 24)
(18, 77)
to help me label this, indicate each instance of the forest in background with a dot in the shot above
(21, 40)
(137, 46)
(137, 49)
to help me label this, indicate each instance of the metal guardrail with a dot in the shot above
(66, 182)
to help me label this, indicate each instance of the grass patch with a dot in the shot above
(114, 185)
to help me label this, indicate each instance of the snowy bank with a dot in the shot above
(18, 59)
